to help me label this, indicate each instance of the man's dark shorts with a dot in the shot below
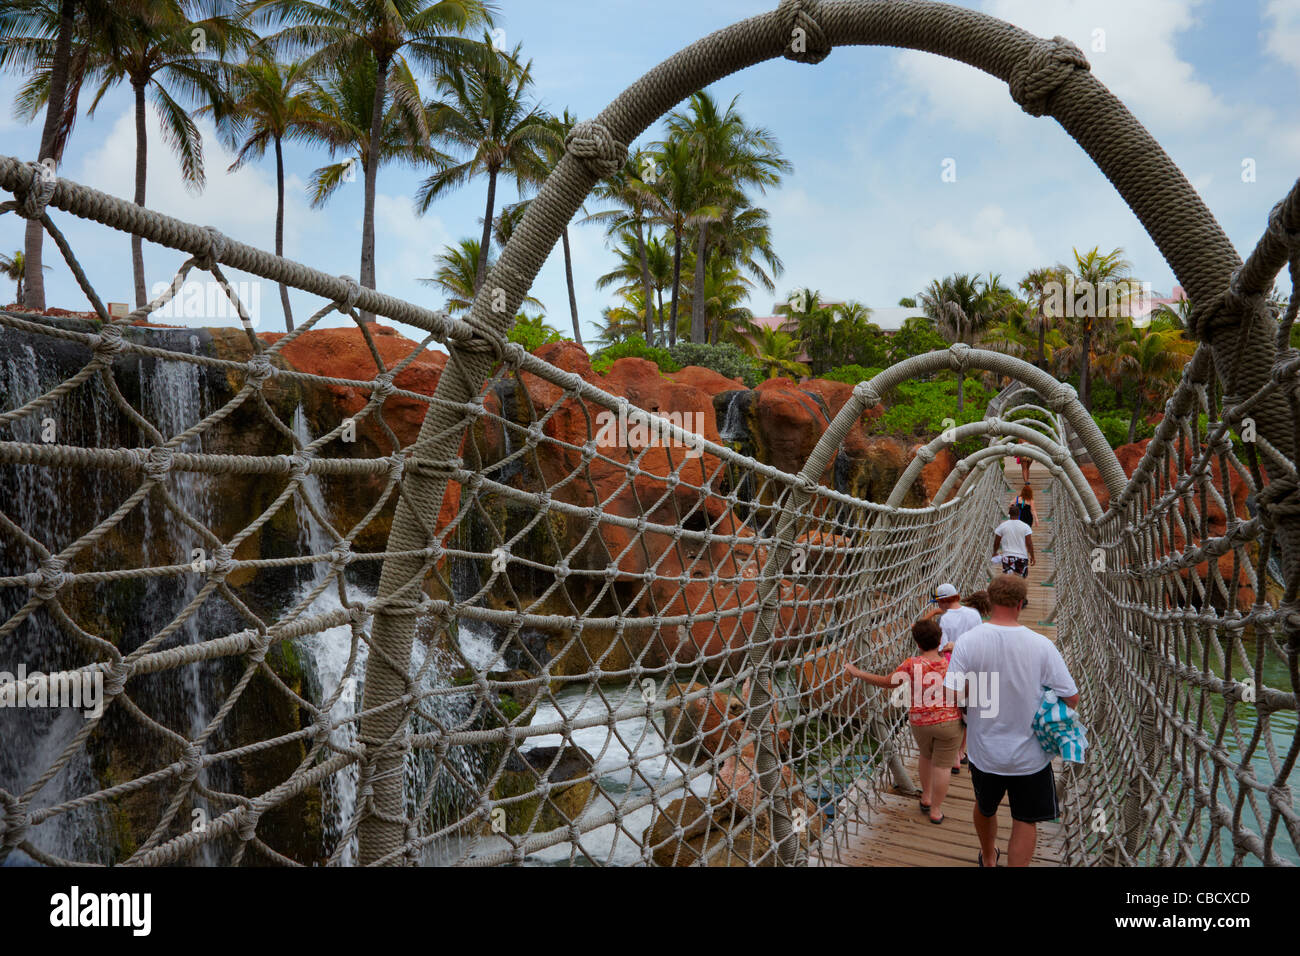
(1033, 797)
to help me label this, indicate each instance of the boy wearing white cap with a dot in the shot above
(955, 620)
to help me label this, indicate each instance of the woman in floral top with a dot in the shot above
(935, 719)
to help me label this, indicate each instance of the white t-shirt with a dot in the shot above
(1003, 671)
(1014, 533)
(956, 622)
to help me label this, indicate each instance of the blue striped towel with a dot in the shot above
(1058, 730)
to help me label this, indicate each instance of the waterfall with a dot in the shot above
(733, 421)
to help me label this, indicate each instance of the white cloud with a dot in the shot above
(965, 245)
(1282, 39)
(1130, 46)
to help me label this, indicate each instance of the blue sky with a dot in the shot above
(865, 214)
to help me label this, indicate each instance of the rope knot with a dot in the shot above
(158, 462)
(247, 824)
(1278, 230)
(258, 369)
(341, 555)
(925, 453)
(190, 762)
(223, 561)
(109, 341)
(300, 465)
(1061, 397)
(345, 304)
(383, 386)
(50, 579)
(867, 394)
(807, 483)
(1041, 72)
(596, 148)
(217, 244)
(114, 681)
(958, 356)
(805, 41)
(40, 190)
(14, 821)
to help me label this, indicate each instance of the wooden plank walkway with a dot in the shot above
(890, 829)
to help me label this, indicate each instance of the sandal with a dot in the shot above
(956, 769)
(925, 807)
(997, 860)
(942, 817)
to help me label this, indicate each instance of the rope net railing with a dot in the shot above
(592, 679)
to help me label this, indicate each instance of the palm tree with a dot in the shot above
(728, 156)
(620, 322)
(725, 290)
(155, 45)
(1151, 357)
(627, 190)
(961, 306)
(1097, 289)
(342, 105)
(1037, 285)
(678, 203)
(12, 267)
(456, 273)
(38, 41)
(484, 111)
(266, 103)
(778, 353)
(383, 35)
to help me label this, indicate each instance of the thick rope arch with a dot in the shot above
(1045, 77)
(1057, 456)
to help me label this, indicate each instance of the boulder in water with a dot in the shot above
(570, 784)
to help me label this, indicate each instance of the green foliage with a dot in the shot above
(1115, 427)
(919, 410)
(724, 358)
(851, 374)
(532, 332)
(917, 336)
(634, 347)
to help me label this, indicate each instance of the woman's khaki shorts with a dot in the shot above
(939, 742)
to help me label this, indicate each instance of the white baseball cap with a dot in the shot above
(945, 591)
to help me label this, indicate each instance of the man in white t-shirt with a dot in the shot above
(1013, 539)
(1001, 668)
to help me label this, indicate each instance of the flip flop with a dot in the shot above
(979, 861)
(956, 769)
(942, 817)
(925, 807)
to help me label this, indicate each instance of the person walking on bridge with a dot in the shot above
(936, 722)
(955, 619)
(1000, 671)
(1013, 544)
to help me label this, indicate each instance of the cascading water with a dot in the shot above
(328, 653)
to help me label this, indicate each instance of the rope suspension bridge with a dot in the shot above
(669, 620)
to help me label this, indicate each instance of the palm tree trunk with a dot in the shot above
(485, 243)
(699, 321)
(961, 390)
(1085, 375)
(141, 159)
(677, 284)
(659, 315)
(1042, 337)
(568, 275)
(645, 280)
(31, 291)
(1137, 413)
(279, 230)
(372, 181)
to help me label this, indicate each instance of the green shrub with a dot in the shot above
(532, 332)
(852, 374)
(1114, 428)
(918, 410)
(725, 358)
(634, 347)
